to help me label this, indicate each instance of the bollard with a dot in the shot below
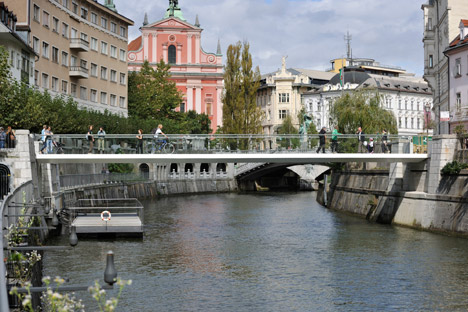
(110, 274)
(55, 220)
(73, 237)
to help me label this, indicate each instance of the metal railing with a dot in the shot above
(225, 143)
(10, 209)
(76, 180)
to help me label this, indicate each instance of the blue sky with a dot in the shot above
(309, 32)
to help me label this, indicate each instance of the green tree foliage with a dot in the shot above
(362, 109)
(23, 107)
(240, 112)
(151, 94)
(287, 127)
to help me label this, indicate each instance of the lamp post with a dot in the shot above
(427, 112)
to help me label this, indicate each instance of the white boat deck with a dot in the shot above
(120, 223)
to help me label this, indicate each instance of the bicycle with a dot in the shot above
(160, 146)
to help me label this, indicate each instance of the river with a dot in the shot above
(271, 252)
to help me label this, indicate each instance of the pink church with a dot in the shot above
(197, 74)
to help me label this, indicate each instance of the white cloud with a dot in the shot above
(310, 32)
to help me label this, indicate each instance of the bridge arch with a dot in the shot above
(221, 167)
(144, 170)
(204, 167)
(188, 168)
(5, 180)
(174, 167)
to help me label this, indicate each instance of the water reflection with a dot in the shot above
(272, 252)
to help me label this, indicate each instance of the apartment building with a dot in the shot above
(82, 48)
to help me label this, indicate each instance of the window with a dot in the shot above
(429, 23)
(181, 109)
(64, 58)
(122, 79)
(399, 122)
(36, 13)
(55, 84)
(283, 97)
(113, 100)
(45, 81)
(113, 27)
(84, 13)
(94, 44)
(36, 78)
(83, 93)
(103, 98)
(418, 123)
(65, 3)
(55, 25)
(431, 61)
(36, 45)
(406, 104)
(123, 31)
(73, 90)
(45, 19)
(412, 105)
(113, 75)
(94, 18)
(172, 54)
(55, 55)
(94, 70)
(104, 22)
(84, 64)
(65, 30)
(122, 102)
(75, 7)
(122, 55)
(74, 33)
(103, 72)
(113, 51)
(283, 114)
(412, 123)
(73, 61)
(458, 69)
(45, 50)
(103, 47)
(399, 103)
(406, 122)
(64, 86)
(458, 101)
(93, 95)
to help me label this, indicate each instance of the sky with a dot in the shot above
(309, 32)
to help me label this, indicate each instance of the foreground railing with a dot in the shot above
(247, 143)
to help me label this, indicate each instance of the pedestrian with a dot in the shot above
(322, 140)
(139, 148)
(334, 140)
(361, 139)
(90, 138)
(10, 138)
(384, 143)
(370, 146)
(2, 137)
(43, 139)
(101, 140)
(49, 144)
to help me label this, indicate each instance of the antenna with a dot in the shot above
(348, 39)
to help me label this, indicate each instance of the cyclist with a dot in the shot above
(157, 139)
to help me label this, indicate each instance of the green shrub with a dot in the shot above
(453, 167)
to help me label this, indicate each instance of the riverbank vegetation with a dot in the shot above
(24, 107)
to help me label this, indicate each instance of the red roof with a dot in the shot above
(135, 44)
(465, 22)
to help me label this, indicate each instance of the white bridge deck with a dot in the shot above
(285, 158)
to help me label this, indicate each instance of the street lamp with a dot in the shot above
(427, 113)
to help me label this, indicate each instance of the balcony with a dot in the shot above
(78, 72)
(79, 44)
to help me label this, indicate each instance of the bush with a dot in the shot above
(453, 167)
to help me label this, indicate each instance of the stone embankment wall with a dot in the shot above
(416, 196)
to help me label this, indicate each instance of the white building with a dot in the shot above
(21, 55)
(441, 22)
(457, 54)
(406, 97)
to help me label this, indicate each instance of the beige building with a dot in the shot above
(279, 94)
(82, 48)
(441, 25)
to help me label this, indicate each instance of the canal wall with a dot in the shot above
(413, 195)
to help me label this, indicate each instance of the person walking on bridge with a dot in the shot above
(90, 138)
(334, 140)
(101, 140)
(384, 144)
(361, 139)
(322, 140)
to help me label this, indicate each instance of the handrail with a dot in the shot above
(3, 287)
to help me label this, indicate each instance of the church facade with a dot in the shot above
(197, 74)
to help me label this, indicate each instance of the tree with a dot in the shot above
(362, 109)
(240, 112)
(151, 95)
(287, 127)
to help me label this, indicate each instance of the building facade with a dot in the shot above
(82, 48)
(22, 57)
(279, 94)
(197, 74)
(457, 54)
(406, 97)
(441, 25)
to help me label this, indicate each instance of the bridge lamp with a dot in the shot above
(427, 111)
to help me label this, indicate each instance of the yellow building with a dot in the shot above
(82, 48)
